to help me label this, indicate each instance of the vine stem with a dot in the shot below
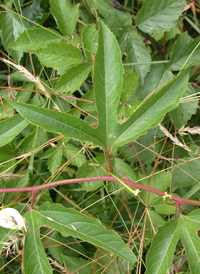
(103, 178)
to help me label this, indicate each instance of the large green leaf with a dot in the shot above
(107, 80)
(12, 26)
(162, 248)
(10, 128)
(34, 39)
(159, 15)
(73, 78)
(76, 224)
(59, 55)
(35, 259)
(138, 53)
(189, 235)
(53, 121)
(152, 111)
(180, 54)
(65, 14)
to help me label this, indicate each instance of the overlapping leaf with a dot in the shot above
(34, 39)
(162, 249)
(159, 15)
(152, 111)
(74, 223)
(65, 14)
(10, 128)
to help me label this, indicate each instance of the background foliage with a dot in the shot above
(100, 91)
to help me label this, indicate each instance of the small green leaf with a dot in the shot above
(185, 110)
(65, 14)
(117, 21)
(129, 84)
(93, 168)
(10, 128)
(156, 15)
(181, 53)
(138, 53)
(54, 156)
(73, 155)
(89, 39)
(59, 55)
(73, 78)
(34, 39)
(13, 25)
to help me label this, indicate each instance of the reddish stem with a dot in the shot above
(104, 178)
(34, 192)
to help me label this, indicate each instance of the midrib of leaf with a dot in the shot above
(108, 71)
(139, 117)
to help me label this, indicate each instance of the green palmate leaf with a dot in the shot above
(185, 110)
(65, 14)
(35, 259)
(76, 224)
(181, 53)
(107, 80)
(73, 78)
(58, 122)
(138, 53)
(162, 248)
(12, 26)
(10, 128)
(89, 39)
(59, 55)
(153, 110)
(159, 15)
(34, 39)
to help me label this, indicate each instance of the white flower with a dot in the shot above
(10, 218)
